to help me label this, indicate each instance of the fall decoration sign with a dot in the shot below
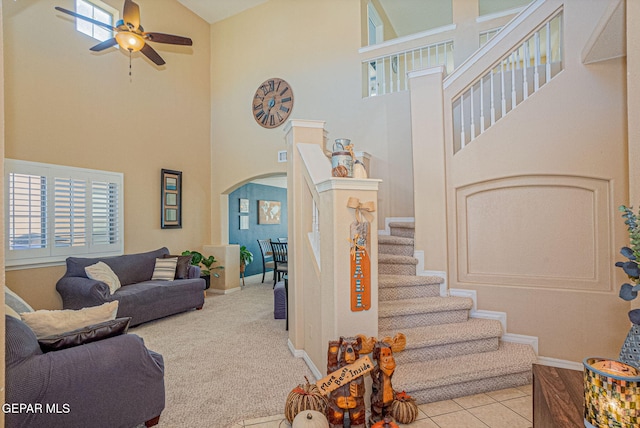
(344, 375)
(360, 263)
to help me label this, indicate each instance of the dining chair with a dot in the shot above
(283, 239)
(267, 257)
(280, 259)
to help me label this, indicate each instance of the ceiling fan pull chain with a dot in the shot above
(130, 78)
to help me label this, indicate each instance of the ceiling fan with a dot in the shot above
(130, 35)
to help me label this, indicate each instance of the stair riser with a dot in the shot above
(396, 269)
(398, 250)
(418, 320)
(402, 232)
(412, 292)
(447, 392)
(447, 351)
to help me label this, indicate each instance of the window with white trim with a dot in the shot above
(54, 211)
(99, 11)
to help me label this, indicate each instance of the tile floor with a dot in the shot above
(507, 408)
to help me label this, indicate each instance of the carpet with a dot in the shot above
(226, 362)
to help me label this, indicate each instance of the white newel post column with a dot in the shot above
(427, 128)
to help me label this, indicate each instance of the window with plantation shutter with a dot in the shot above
(53, 212)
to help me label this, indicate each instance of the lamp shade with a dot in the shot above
(611, 394)
(130, 41)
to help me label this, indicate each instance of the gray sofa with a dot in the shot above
(139, 297)
(114, 382)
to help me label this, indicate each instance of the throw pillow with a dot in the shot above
(46, 323)
(182, 268)
(102, 272)
(88, 334)
(15, 302)
(8, 310)
(165, 269)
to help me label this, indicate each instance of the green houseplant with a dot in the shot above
(205, 265)
(246, 257)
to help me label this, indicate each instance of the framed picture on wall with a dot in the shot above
(244, 205)
(269, 212)
(170, 199)
(244, 222)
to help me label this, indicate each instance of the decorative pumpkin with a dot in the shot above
(404, 408)
(387, 422)
(304, 397)
(310, 419)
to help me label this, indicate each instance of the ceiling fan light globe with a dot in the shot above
(130, 41)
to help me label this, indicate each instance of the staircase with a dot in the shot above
(448, 354)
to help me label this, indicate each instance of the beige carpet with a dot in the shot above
(227, 362)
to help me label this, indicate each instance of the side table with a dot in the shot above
(558, 397)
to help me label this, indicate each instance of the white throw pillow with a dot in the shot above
(46, 323)
(165, 269)
(102, 272)
(8, 310)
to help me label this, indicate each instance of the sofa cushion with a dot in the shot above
(88, 334)
(102, 272)
(182, 269)
(130, 268)
(165, 269)
(46, 323)
(15, 302)
(20, 341)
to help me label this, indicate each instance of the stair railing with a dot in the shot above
(520, 69)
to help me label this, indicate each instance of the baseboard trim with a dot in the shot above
(562, 364)
(387, 229)
(522, 339)
(227, 291)
(299, 353)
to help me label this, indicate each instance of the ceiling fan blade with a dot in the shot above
(104, 45)
(131, 14)
(168, 38)
(150, 53)
(85, 18)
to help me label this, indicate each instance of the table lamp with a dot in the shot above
(611, 394)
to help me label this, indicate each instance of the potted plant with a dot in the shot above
(246, 257)
(205, 263)
(629, 291)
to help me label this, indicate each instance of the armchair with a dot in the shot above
(114, 382)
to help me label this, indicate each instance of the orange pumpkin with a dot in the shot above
(304, 397)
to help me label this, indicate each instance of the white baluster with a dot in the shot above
(493, 106)
(513, 81)
(384, 79)
(525, 65)
(462, 136)
(472, 117)
(536, 74)
(548, 59)
(503, 95)
(406, 81)
(482, 105)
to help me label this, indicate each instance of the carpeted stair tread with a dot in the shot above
(397, 260)
(424, 305)
(386, 281)
(394, 240)
(474, 329)
(402, 224)
(510, 358)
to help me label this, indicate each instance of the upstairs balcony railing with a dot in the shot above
(388, 73)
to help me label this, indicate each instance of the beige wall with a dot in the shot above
(69, 106)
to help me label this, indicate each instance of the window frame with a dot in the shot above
(103, 7)
(52, 254)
